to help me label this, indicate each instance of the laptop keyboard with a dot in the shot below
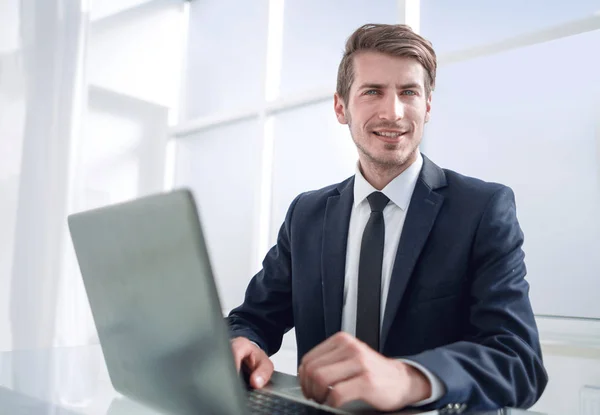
(260, 402)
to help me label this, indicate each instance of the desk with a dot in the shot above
(72, 378)
(75, 381)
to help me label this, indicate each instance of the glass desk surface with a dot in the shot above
(73, 380)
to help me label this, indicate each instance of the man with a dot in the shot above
(405, 282)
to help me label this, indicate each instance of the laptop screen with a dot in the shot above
(150, 286)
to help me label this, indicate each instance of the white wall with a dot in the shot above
(574, 373)
(571, 350)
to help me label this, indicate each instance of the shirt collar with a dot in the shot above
(399, 190)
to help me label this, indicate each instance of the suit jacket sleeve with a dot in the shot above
(499, 362)
(266, 313)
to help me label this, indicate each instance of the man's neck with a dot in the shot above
(380, 175)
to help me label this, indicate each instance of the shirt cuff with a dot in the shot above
(437, 387)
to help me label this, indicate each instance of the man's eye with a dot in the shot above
(371, 92)
(409, 92)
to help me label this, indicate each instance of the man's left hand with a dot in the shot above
(344, 369)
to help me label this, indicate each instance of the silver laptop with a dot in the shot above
(152, 294)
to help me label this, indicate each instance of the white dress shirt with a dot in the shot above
(399, 191)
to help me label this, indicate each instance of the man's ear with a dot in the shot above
(428, 106)
(340, 109)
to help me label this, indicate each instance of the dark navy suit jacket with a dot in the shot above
(458, 302)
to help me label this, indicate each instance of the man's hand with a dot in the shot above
(344, 369)
(255, 360)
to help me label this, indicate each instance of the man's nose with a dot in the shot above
(392, 108)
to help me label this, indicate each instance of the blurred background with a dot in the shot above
(103, 101)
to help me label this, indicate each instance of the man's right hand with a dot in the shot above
(255, 360)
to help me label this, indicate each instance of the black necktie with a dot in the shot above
(369, 273)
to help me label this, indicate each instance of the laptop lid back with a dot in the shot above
(149, 282)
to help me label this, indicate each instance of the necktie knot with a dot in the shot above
(377, 201)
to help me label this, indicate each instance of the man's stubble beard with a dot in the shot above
(383, 162)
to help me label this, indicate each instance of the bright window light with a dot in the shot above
(274, 49)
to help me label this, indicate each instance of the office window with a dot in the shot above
(457, 25)
(133, 67)
(122, 148)
(138, 51)
(105, 8)
(222, 167)
(314, 35)
(311, 150)
(226, 56)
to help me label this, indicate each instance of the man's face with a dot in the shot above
(387, 108)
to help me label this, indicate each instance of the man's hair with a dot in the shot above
(394, 40)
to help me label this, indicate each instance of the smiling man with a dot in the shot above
(406, 282)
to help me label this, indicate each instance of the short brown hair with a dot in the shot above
(396, 40)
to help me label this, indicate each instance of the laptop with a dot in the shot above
(152, 294)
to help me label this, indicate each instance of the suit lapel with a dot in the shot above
(333, 254)
(422, 212)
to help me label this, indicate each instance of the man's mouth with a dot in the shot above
(388, 134)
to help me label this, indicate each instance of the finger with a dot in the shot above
(325, 346)
(328, 358)
(250, 360)
(327, 377)
(329, 345)
(310, 371)
(348, 349)
(262, 370)
(238, 354)
(307, 370)
(352, 389)
(315, 371)
(241, 349)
